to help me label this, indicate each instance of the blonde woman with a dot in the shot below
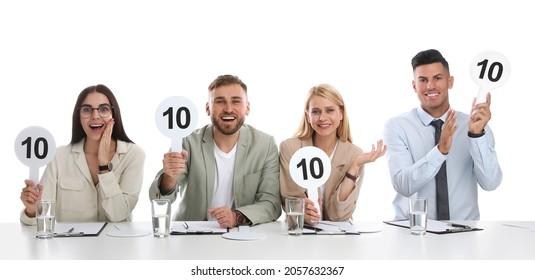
(325, 125)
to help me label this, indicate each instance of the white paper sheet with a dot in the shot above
(78, 229)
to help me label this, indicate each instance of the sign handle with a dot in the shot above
(482, 95)
(176, 144)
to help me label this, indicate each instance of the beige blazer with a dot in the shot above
(67, 180)
(333, 208)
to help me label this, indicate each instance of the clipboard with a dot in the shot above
(196, 228)
(331, 228)
(79, 229)
(437, 227)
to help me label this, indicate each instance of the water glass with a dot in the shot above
(45, 215)
(418, 215)
(161, 217)
(295, 215)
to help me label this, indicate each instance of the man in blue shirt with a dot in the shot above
(466, 145)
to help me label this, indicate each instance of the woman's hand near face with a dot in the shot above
(105, 144)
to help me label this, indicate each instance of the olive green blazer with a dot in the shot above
(255, 184)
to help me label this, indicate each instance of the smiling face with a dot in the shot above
(431, 83)
(227, 108)
(324, 116)
(94, 124)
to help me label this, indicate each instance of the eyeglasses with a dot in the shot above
(104, 111)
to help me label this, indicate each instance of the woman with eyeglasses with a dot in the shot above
(98, 176)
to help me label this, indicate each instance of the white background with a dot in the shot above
(146, 51)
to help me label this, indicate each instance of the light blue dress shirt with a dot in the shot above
(414, 160)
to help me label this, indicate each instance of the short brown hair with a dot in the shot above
(224, 80)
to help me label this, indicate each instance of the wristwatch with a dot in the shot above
(108, 167)
(351, 177)
(241, 219)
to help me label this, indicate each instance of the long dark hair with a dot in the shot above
(78, 132)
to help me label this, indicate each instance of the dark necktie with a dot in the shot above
(443, 207)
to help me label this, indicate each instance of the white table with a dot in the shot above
(496, 241)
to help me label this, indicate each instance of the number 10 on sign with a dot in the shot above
(35, 147)
(310, 168)
(176, 117)
(489, 70)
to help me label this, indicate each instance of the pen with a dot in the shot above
(199, 232)
(312, 228)
(185, 225)
(458, 225)
(330, 232)
(70, 230)
(459, 229)
(69, 234)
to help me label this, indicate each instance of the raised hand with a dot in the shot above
(448, 130)
(375, 153)
(312, 214)
(480, 116)
(174, 164)
(29, 196)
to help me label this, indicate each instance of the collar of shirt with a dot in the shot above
(426, 119)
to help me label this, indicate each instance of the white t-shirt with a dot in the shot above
(224, 175)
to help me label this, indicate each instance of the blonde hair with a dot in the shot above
(306, 131)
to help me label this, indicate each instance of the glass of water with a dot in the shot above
(418, 215)
(295, 215)
(161, 217)
(45, 216)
